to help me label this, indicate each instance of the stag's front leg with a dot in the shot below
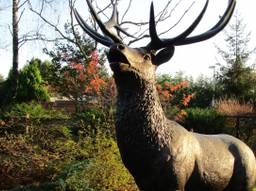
(158, 183)
(181, 189)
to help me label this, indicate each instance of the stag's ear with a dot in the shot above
(163, 56)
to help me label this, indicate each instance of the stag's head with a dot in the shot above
(131, 64)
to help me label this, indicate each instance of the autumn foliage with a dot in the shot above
(167, 93)
(82, 82)
(85, 76)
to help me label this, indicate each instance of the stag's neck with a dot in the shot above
(140, 114)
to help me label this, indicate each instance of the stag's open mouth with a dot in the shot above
(116, 57)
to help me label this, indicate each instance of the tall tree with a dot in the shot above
(1, 78)
(20, 34)
(235, 77)
(78, 75)
(15, 47)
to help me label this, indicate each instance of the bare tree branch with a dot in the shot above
(101, 11)
(22, 12)
(163, 15)
(54, 26)
(142, 27)
(137, 39)
(71, 5)
(22, 4)
(42, 6)
(36, 37)
(167, 15)
(126, 11)
(133, 23)
(10, 29)
(185, 12)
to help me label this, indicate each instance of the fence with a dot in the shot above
(66, 105)
(244, 128)
(242, 121)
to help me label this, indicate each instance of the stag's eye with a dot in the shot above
(146, 57)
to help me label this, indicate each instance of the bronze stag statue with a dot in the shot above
(160, 154)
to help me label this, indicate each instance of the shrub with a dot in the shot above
(93, 163)
(174, 94)
(21, 163)
(2, 89)
(31, 119)
(106, 172)
(48, 186)
(93, 120)
(53, 155)
(1, 78)
(5, 90)
(33, 109)
(233, 106)
(91, 116)
(204, 92)
(208, 121)
(31, 85)
(73, 176)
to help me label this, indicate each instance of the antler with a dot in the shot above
(110, 38)
(156, 43)
(183, 39)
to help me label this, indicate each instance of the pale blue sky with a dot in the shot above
(193, 59)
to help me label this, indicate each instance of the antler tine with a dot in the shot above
(190, 29)
(113, 19)
(96, 36)
(113, 22)
(155, 43)
(104, 28)
(214, 30)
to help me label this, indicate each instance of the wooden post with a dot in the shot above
(27, 123)
(237, 127)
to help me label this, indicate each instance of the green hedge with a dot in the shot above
(208, 121)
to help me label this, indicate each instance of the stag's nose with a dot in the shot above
(120, 47)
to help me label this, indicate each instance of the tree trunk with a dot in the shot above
(15, 43)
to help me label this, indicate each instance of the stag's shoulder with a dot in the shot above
(179, 135)
(176, 128)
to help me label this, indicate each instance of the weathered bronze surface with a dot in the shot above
(159, 153)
